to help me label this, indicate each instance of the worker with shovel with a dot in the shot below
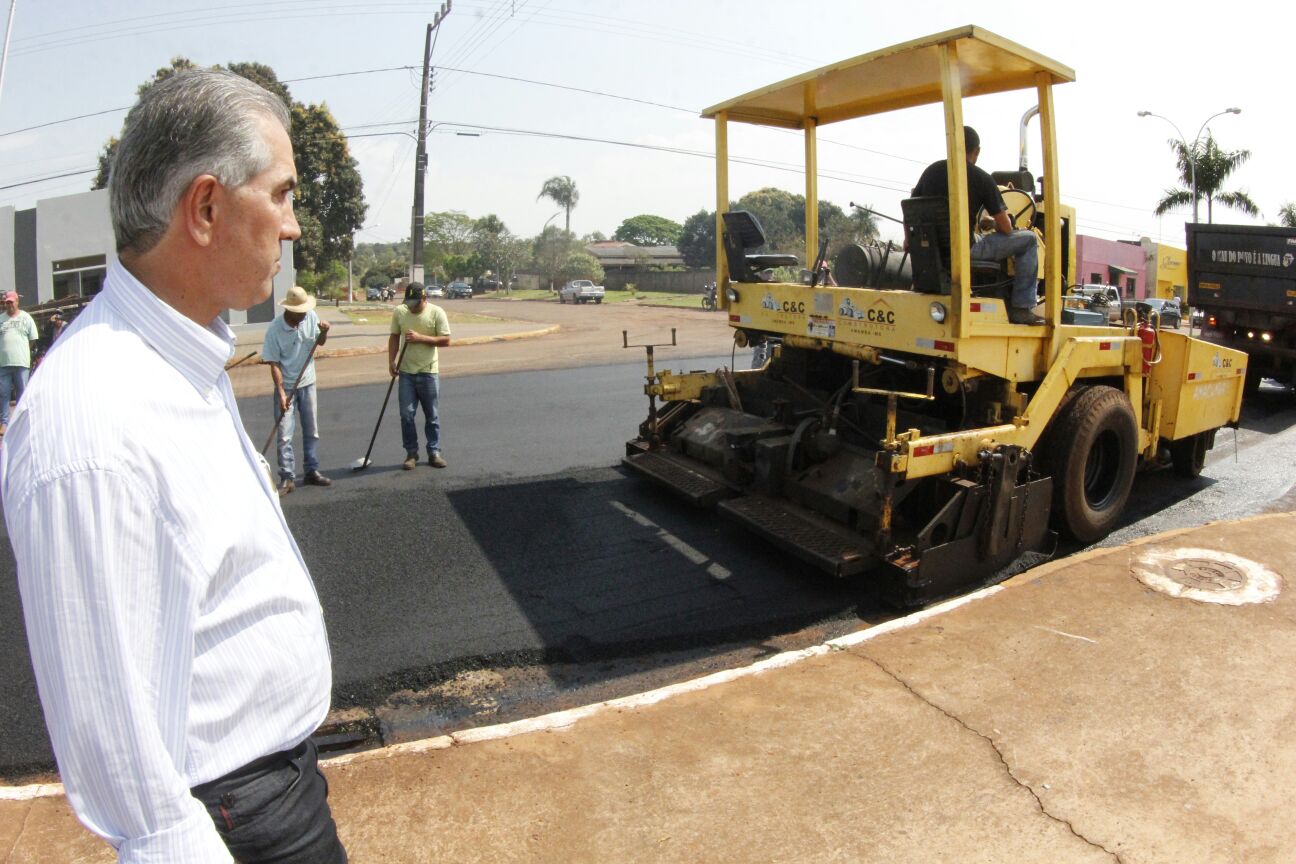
(289, 346)
(423, 327)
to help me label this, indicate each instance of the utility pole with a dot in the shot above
(4, 58)
(420, 159)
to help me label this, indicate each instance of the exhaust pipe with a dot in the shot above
(1025, 121)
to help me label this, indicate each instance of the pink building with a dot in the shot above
(1112, 262)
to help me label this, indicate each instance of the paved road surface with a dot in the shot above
(531, 574)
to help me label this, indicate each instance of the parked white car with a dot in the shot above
(580, 291)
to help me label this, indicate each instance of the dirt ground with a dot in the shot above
(588, 335)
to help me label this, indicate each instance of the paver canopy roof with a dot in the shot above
(902, 76)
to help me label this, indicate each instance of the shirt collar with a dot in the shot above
(198, 353)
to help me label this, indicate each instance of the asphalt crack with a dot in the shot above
(1008, 769)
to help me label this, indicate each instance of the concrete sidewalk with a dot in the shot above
(1098, 708)
(350, 339)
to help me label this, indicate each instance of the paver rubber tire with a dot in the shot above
(1188, 455)
(599, 300)
(562, 299)
(1093, 451)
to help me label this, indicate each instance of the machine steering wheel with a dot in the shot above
(1020, 206)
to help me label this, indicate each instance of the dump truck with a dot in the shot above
(903, 430)
(1243, 279)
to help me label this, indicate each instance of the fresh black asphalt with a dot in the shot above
(533, 548)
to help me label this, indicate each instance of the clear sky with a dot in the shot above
(77, 57)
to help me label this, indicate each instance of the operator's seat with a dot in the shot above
(926, 225)
(742, 231)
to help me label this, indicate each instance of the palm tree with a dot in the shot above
(1287, 215)
(562, 191)
(1213, 168)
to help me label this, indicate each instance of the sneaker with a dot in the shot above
(286, 486)
(410, 462)
(315, 478)
(435, 460)
(1024, 316)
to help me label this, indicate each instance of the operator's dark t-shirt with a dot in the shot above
(982, 189)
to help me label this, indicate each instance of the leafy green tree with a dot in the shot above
(457, 267)
(490, 236)
(648, 230)
(579, 264)
(1213, 166)
(330, 194)
(1287, 215)
(375, 278)
(696, 242)
(562, 191)
(329, 187)
(550, 250)
(594, 237)
(514, 256)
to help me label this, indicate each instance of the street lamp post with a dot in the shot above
(1191, 149)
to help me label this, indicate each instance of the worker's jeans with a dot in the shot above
(275, 810)
(1021, 247)
(303, 403)
(13, 381)
(416, 390)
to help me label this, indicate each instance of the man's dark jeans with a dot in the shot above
(416, 390)
(275, 811)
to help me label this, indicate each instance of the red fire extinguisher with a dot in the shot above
(1147, 335)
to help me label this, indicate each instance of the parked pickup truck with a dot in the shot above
(580, 291)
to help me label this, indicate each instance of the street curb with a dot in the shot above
(456, 343)
(333, 353)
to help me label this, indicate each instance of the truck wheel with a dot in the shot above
(1251, 384)
(1188, 455)
(1093, 453)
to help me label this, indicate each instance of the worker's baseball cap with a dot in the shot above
(10, 295)
(415, 291)
(297, 300)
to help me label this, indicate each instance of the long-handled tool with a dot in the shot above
(238, 363)
(291, 394)
(361, 464)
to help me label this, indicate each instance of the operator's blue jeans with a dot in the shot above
(1021, 247)
(13, 381)
(303, 403)
(416, 390)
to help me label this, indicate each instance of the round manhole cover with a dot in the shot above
(1206, 576)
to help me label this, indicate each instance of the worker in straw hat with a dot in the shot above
(287, 349)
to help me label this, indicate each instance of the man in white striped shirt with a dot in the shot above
(176, 635)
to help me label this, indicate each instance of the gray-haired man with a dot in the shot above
(175, 632)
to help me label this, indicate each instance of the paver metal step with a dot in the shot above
(835, 550)
(676, 474)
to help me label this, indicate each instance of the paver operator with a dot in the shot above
(287, 349)
(423, 327)
(1001, 241)
(176, 635)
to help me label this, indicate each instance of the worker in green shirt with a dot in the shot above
(423, 328)
(18, 337)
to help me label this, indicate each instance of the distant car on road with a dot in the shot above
(580, 291)
(435, 291)
(458, 290)
(374, 294)
(1168, 309)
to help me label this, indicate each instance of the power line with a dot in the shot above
(51, 177)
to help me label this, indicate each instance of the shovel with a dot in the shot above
(361, 464)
